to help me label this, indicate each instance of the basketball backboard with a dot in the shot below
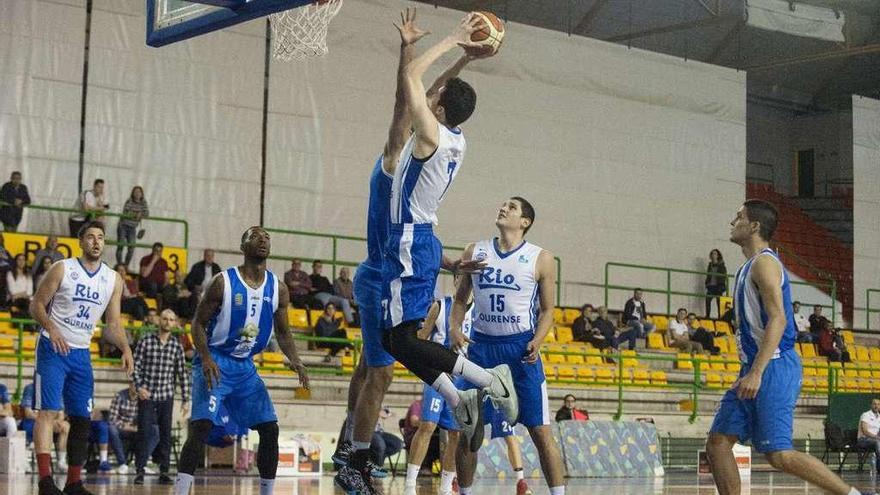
(169, 21)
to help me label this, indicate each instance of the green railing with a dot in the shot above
(93, 215)
(668, 290)
(868, 308)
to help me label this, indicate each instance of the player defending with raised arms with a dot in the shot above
(233, 322)
(514, 297)
(69, 303)
(760, 405)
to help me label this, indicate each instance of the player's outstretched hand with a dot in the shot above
(747, 387)
(532, 351)
(302, 372)
(59, 345)
(469, 25)
(469, 266)
(210, 371)
(127, 361)
(459, 340)
(409, 32)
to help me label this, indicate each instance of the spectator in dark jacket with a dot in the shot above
(200, 275)
(635, 314)
(831, 345)
(322, 290)
(16, 195)
(716, 281)
(154, 271)
(50, 251)
(817, 322)
(583, 331)
(701, 335)
(569, 411)
(132, 302)
(299, 284)
(328, 326)
(611, 333)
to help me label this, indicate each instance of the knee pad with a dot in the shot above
(189, 454)
(267, 455)
(267, 431)
(201, 428)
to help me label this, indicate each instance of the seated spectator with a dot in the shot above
(132, 302)
(100, 437)
(702, 336)
(153, 272)
(89, 202)
(410, 424)
(569, 411)
(122, 425)
(49, 252)
(635, 315)
(817, 322)
(384, 444)
(869, 431)
(322, 291)
(299, 284)
(342, 286)
(200, 275)
(583, 329)
(611, 333)
(679, 335)
(39, 271)
(6, 262)
(7, 419)
(831, 345)
(134, 210)
(60, 427)
(177, 297)
(803, 325)
(328, 326)
(20, 287)
(15, 195)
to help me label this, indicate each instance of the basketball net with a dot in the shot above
(301, 33)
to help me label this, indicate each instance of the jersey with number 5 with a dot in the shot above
(506, 290)
(244, 322)
(80, 301)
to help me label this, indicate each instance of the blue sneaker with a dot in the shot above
(105, 467)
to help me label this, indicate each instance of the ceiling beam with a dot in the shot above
(816, 57)
(589, 17)
(670, 28)
(719, 48)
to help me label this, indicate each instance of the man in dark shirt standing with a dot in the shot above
(153, 271)
(322, 290)
(16, 195)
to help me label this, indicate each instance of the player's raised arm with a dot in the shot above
(285, 337)
(206, 310)
(546, 268)
(115, 333)
(424, 122)
(767, 275)
(45, 291)
(401, 126)
(459, 304)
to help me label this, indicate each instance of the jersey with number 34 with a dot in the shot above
(80, 301)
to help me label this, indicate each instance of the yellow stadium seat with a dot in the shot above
(7, 344)
(151, 303)
(551, 337)
(658, 377)
(848, 337)
(575, 359)
(734, 366)
(729, 379)
(353, 333)
(555, 359)
(641, 376)
(875, 385)
(29, 344)
(875, 373)
(721, 344)
(94, 348)
(723, 327)
(569, 315)
(273, 358)
(874, 354)
(864, 373)
(557, 348)
(808, 350)
(713, 380)
(565, 372)
(563, 335)
(708, 324)
(298, 318)
(850, 373)
(660, 321)
(808, 371)
(582, 347)
(717, 364)
(850, 385)
(314, 314)
(864, 384)
(655, 341)
(604, 375)
(809, 384)
(797, 349)
(821, 383)
(684, 361)
(862, 354)
(629, 359)
(594, 360)
(558, 316)
(585, 374)
(347, 361)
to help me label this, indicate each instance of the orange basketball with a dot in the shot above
(491, 33)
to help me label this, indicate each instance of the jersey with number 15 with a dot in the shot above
(80, 301)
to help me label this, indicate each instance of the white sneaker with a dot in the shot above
(149, 470)
(469, 416)
(502, 393)
(123, 469)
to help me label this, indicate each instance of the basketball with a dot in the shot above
(490, 35)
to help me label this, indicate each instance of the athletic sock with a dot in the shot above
(519, 473)
(266, 486)
(444, 385)
(183, 484)
(412, 474)
(349, 426)
(62, 457)
(464, 490)
(73, 474)
(472, 373)
(44, 465)
(103, 455)
(446, 478)
(557, 490)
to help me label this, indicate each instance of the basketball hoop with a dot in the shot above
(301, 33)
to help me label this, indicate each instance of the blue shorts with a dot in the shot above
(241, 391)
(767, 420)
(435, 409)
(412, 264)
(528, 379)
(368, 296)
(63, 382)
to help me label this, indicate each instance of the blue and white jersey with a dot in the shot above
(751, 315)
(80, 301)
(440, 333)
(378, 214)
(506, 290)
(244, 323)
(419, 186)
